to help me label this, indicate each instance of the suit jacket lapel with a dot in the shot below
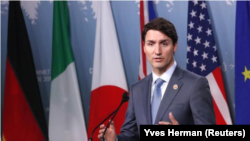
(146, 96)
(170, 93)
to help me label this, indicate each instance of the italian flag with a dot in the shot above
(66, 120)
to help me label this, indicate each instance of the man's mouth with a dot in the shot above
(158, 59)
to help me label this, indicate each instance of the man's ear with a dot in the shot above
(175, 47)
(143, 44)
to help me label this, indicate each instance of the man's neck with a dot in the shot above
(159, 72)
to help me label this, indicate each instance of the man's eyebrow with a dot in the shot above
(161, 41)
(150, 41)
(165, 40)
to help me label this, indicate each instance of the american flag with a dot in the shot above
(147, 13)
(203, 59)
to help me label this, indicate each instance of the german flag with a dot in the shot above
(23, 115)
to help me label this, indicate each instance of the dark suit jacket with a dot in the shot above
(191, 103)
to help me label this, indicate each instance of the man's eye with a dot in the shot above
(150, 44)
(164, 44)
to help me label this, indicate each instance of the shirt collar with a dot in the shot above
(166, 75)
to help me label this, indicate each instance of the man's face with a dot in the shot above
(159, 50)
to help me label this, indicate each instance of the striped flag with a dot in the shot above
(147, 13)
(23, 115)
(203, 59)
(66, 120)
(108, 80)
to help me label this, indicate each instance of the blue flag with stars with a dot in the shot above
(242, 63)
(203, 59)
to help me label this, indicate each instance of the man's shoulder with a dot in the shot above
(143, 81)
(190, 75)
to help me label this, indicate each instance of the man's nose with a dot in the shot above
(158, 49)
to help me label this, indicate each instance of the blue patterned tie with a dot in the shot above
(156, 101)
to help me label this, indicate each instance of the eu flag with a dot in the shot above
(242, 63)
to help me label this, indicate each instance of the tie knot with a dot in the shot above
(159, 82)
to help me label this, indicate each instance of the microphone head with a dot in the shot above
(125, 97)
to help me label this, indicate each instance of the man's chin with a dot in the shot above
(159, 67)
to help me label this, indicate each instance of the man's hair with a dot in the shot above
(162, 25)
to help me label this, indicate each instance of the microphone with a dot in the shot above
(90, 139)
(125, 98)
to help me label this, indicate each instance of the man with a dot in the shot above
(169, 95)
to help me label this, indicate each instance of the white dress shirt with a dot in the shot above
(166, 77)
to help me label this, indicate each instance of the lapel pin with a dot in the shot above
(175, 86)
